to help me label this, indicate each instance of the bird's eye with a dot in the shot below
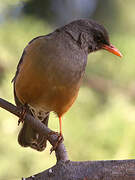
(98, 38)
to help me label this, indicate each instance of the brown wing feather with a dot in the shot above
(27, 136)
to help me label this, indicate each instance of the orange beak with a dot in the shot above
(112, 49)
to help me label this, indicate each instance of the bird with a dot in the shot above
(50, 71)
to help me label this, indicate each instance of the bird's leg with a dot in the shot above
(60, 137)
(60, 124)
(24, 109)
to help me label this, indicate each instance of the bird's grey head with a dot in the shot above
(90, 36)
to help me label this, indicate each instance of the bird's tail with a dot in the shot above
(28, 137)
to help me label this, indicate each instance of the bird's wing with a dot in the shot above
(22, 57)
(27, 136)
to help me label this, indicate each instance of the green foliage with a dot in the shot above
(98, 126)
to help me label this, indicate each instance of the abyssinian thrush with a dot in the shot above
(50, 71)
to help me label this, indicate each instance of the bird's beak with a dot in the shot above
(112, 49)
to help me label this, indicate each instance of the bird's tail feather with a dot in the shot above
(30, 138)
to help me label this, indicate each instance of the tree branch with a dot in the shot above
(89, 170)
(69, 170)
(52, 137)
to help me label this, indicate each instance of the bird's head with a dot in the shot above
(101, 39)
(91, 36)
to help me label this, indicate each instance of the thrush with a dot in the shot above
(50, 71)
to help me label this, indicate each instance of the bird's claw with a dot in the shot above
(22, 114)
(60, 139)
(19, 121)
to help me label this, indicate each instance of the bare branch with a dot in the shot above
(89, 170)
(52, 137)
(69, 170)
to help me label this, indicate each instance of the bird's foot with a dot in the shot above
(23, 112)
(59, 140)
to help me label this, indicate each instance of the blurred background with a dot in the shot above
(101, 123)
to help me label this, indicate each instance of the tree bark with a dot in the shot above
(69, 170)
(89, 170)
